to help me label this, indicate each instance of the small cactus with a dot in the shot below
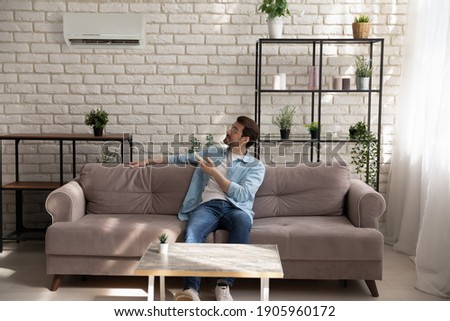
(163, 238)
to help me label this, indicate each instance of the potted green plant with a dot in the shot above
(313, 129)
(357, 129)
(163, 243)
(196, 144)
(363, 72)
(361, 27)
(98, 120)
(275, 9)
(365, 154)
(285, 120)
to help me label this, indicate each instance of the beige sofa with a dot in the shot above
(324, 222)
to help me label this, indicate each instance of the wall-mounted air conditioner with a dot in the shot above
(104, 30)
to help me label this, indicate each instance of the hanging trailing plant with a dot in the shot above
(365, 155)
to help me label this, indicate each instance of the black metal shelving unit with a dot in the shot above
(317, 55)
(18, 186)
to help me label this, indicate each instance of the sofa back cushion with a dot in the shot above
(169, 186)
(301, 190)
(123, 190)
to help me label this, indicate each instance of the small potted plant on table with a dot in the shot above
(98, 120)
(163, 243)
(285, 120)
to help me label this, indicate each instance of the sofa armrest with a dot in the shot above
(364, 205)
(66, 203)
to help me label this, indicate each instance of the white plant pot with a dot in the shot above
(163, 248)
(362, 83)
(275, 27)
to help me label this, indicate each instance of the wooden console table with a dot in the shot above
(19, 186)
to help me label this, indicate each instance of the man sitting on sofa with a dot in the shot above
(220, 196)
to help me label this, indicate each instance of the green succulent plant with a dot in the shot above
(362, 19)
(163, 238)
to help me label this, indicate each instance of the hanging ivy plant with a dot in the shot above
(365, 155)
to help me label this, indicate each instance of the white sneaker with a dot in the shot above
(223, 293)
(187, 295)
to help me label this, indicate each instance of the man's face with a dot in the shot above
(234, 136)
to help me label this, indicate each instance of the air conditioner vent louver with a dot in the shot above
(104, 30)
(125, 42)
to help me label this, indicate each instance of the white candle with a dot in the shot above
(276, 82)
(282, 81)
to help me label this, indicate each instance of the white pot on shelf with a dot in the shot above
(275, 27)
(362, 83)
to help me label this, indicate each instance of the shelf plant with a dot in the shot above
(365, 154)
(363, 72)
(357, 129)
(275, 10)
(97, 119)
(361, 27)
(313, 129)
(196, 144)
(284, 121)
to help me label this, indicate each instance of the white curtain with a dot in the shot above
(418, 212)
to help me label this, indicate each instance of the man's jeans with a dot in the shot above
(209, 217)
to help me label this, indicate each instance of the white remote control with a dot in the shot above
(199, 157)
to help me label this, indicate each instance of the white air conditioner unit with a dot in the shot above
(104, 30)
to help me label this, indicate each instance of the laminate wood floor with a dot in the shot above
(23, 278)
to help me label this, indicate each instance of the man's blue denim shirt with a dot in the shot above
(246, 176)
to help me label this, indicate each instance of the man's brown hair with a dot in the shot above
(251, 129)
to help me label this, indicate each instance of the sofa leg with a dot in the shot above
(57, 279)
(372, 287)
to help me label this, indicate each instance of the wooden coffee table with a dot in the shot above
(211, 260)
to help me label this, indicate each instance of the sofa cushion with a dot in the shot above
(305, 189)
(124, 190)
(318, 238)
(169, 186)
(122, 235)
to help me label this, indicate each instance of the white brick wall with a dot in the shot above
(194, 77)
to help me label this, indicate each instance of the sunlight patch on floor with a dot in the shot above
(6, 273)
(126, 292)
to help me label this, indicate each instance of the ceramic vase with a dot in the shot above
(275, 27)
(163, 248)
